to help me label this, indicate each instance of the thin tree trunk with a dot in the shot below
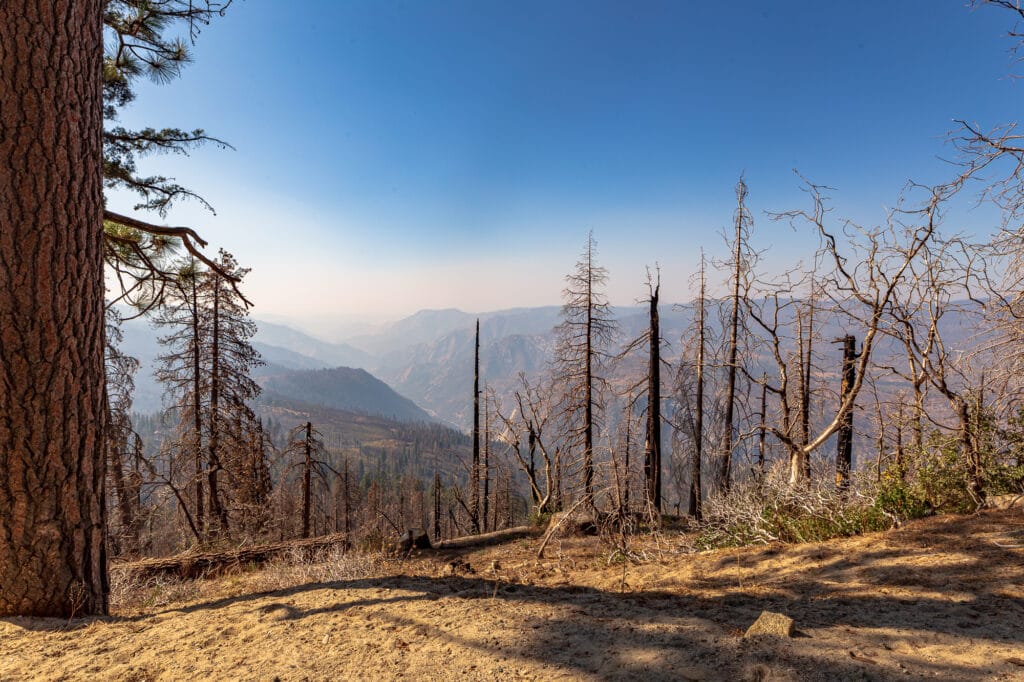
(725, 467)
(588, 386)
(307, 467)
(652, 455)
(917, 426)
(534, 488)
(509, 512)
(899, 443)
(437, 507)
(347, 502)
(474, 478)
(625, 482)
(52, 397)
(808, 366)
(487, 463)
(128, 543)
(764, 423)
(698, 421)
(217, 509)
(970, 450)
(197, 409)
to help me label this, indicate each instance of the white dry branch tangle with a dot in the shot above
(773, 510)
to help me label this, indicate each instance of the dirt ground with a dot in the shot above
(941, 598)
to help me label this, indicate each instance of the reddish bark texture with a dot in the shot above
(52, 416)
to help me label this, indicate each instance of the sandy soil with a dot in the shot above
(941, 598)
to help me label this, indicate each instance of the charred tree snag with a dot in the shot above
(743, 222)
(844, 436)
(652, 450)
(698, 420)
(474, 478)
(307, 475)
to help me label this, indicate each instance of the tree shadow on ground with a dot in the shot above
(955, 601)
(663, 635)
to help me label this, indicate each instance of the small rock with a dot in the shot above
(769, 623)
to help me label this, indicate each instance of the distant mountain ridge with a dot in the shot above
(427, 358)
(343, 388)
(280, 337)
(285, 351)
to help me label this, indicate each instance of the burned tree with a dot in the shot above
(584, 336)
(743, 222)
(205, 369)
(180, 372)
(652, 444)
(697, 458)
(474, 476)
(530, 417)
(864, 294)
(844, 437)
(122, 443)
(308, 454)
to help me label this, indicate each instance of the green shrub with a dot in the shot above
(539, 519)
(896, 497)
(937, 478)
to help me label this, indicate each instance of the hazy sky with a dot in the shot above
(392, 156)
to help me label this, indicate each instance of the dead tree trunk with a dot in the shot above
(197, 403)
(806, 342)
(624, 508)
(487, 464)
(652, 454)
(763, 428)
(437, 507)
(725, 465)
(534, 490)
(307, 471)
(347, 501)
(474, 477)
(217, 509)
(844, 439)
(698, 419)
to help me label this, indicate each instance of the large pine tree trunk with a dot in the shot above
(52, 402)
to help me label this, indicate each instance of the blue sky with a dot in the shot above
(392, 156)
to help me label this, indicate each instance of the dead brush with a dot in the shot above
(131, 591)
(770, 509)
(299, 567)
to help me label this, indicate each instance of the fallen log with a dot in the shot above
(484, 539)
(198, 564)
